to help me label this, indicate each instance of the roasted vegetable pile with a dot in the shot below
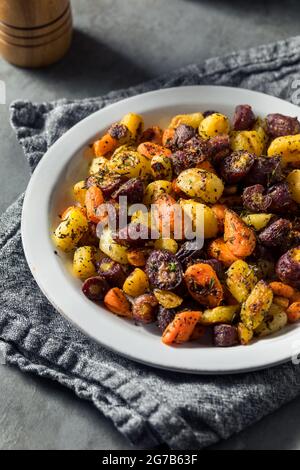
(244, 177)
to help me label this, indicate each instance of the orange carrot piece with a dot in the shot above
(293, 312)
(168, 136)
(219, 211)
(116, 301)
(203, 284)
(93, 199)
(150, 150)
(219, 250)
(181, 328)
(168, 216)
(152, 134)
(239, 238)
(282, 290)
(104, 145)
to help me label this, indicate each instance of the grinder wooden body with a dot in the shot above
(34, 33)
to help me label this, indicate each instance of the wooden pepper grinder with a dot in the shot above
(34, 33)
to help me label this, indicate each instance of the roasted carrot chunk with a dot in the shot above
(116, 301)
(281, 289)
(181, 328)
(203, 284)
(150, 150)
(168, 216)
(106, 144)
(93, 199)
(219, 250)
(293, 312)
(168, 136)
(219, 211)
(239, 238)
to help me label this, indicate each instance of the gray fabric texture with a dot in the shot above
(150, 407)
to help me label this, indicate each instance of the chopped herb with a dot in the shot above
(172, 267)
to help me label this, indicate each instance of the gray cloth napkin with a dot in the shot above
(148, 406)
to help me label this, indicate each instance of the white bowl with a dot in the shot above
(49, 192)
